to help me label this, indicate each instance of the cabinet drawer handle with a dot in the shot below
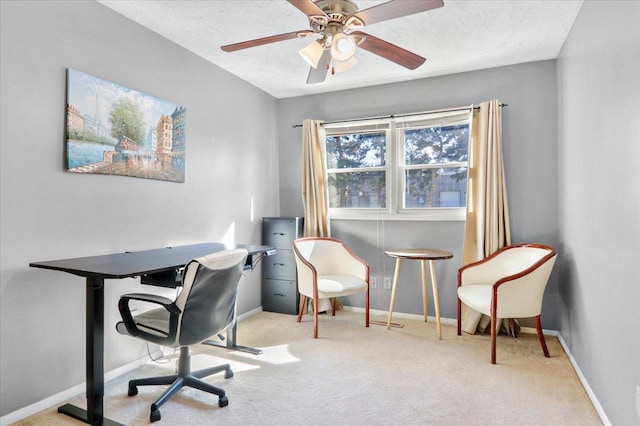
(278, 294)
(278, 264)
(282, 234)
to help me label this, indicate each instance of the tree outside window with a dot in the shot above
(356, 169)
(435, 166)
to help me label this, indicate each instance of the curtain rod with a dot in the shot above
(397, 115)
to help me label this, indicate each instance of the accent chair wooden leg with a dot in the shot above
(315, 318)
(366, 308)
(333, 306)
(493, 337)
(303, 304)
(459, 317)
(543, 343)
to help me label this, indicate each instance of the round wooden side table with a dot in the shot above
(421, 254)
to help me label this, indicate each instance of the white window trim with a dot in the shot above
(394, 175)
(440, 214)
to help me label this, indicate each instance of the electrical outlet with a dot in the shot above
(373, 282)
(638, 400)
(387, 283)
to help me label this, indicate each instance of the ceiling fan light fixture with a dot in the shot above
(342, 66)
(343, 47)
(312, 53)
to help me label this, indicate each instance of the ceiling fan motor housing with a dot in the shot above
(337, 12)
(340, 8)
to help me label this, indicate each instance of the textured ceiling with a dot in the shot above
(464, 35)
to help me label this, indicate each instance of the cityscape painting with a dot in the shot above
(115, 130)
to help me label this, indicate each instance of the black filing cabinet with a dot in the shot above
(279, 276)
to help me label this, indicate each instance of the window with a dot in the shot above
(357, 167)
(412, 167)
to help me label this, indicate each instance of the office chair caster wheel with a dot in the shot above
(155, 416)
(133, 390)
(223, 401)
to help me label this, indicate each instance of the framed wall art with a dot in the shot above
(114, 130)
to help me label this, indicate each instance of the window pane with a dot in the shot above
(436, 145)
(357, 190)
(356, 150)
(436, 187)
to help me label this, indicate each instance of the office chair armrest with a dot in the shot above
(168, 304)
(125, 312)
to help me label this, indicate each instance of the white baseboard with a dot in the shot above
(251, 313)
(65, 395)
(585, 383)
(446, 321)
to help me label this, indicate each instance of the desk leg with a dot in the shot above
(232, 339)
(231, 342)
(94, 337)
(393, 292)
(423, 265)
(436, 302)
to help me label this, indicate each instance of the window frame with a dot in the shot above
(395, 168)
(360, 127)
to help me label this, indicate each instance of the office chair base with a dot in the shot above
(184, 378)
(155, 416)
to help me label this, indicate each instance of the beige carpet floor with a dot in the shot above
(354, 375)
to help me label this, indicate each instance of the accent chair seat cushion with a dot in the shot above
(476, 296)
(339, 285)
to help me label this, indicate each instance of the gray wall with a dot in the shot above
(530, 156)
(47, 213)
(599, 151)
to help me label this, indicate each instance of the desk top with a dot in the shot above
(419, 253)
(131, 264)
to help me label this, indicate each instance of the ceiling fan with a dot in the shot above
(338, 24)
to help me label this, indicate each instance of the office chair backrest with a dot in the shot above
(208, 297)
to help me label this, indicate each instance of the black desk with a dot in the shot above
(148, 264)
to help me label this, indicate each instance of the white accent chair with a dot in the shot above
(205, 307)
(327, 269)
(508, 284)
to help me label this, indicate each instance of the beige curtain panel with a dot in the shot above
(314, 192)
(487, 223)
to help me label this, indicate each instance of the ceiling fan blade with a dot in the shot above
(308, 7)
(319, 74)
(390, 51)
(265, 40)
(396, 9)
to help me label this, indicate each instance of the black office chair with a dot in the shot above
(205, 307)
